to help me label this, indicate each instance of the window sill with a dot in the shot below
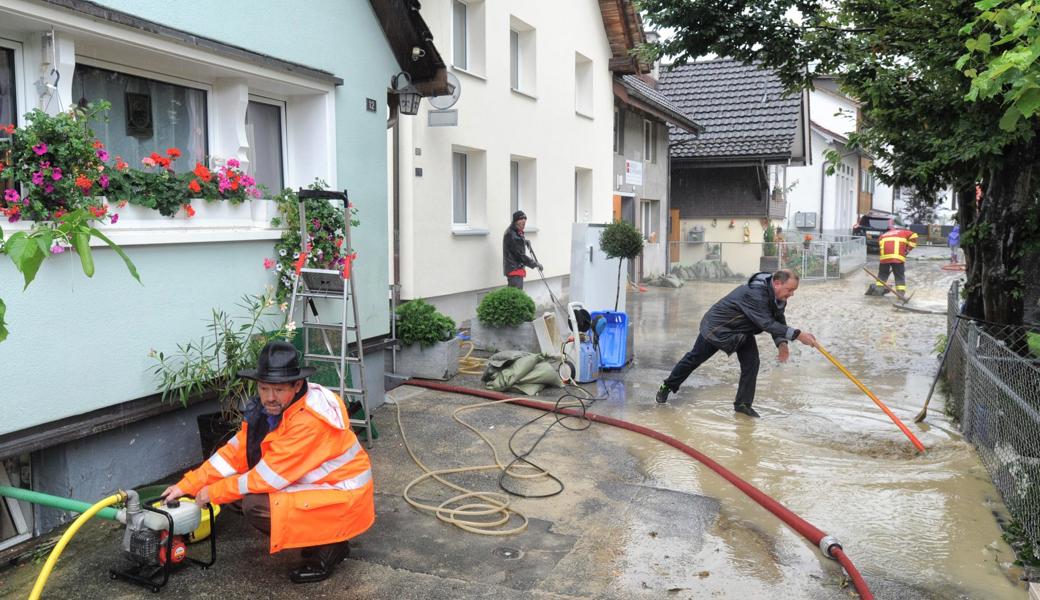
(530, 229)
(469, 73)
(584, 114)
(463, 231)
(218, 221)
(524, 94)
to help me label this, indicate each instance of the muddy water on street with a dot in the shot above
(823, 448)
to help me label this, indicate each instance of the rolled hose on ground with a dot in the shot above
(827, 544)
(41, 579)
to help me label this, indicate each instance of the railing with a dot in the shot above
(823, 257)
(995, 394)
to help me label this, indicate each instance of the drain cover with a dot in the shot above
(507, 553)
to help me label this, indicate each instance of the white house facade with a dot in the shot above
(533, 133)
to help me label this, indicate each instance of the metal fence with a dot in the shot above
(822, 257)
(995, 394)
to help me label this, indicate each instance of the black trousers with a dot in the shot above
(515, 281)
(897, 269)
(747, 355)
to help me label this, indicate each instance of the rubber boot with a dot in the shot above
(319, 562)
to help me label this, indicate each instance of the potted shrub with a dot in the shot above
(504, 322)
(208, 367)
(429, 349)
(769, 261)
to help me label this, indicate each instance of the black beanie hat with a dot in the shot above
(518, 215)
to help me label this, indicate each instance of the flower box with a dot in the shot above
(439, 361)
(494, 339)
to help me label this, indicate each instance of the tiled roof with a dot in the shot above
(677, 117)
(741, 107)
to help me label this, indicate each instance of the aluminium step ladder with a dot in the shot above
(328, 286)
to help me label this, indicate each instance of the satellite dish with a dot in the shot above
(448, 100)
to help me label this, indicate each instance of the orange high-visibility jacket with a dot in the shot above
(895, 244)
(317, 474)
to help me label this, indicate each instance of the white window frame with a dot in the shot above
(20, 102)
(475, 32)
(311, 107)
(211, 118)
(650, 216)
(523, 57)
(280, 103)
(465, 66)
(648, 141)
(584, 81)
(516, 201)
(455, 185)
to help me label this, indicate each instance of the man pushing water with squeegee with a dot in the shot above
(731, 326)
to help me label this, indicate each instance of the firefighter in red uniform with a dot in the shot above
(894, 244)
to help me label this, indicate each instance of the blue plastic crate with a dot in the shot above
(613, 339)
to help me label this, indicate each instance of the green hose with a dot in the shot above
(68, 504)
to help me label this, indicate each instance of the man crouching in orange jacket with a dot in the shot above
(297, 466)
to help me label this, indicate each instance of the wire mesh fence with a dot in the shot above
(995, 394)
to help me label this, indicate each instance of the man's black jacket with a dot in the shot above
(513, 253)
(748, 310)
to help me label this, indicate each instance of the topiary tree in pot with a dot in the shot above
(620, 240)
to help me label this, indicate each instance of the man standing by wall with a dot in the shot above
(731, 325)
(514, 252)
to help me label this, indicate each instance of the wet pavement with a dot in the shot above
(637, 519)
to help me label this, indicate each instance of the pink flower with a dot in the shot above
(248, 181)
(268, 263)
(102, 154)
(11, 196)
(57, 249)
(14, 218)
(37, 178)
(233, 163)
(224, 185)
(115, 217)
(148, 161)
(40, 149)
(47, 189)
(103, 182)
(56, 174)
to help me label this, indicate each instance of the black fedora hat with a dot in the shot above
(277, 363)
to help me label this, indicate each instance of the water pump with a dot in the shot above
(154, 542)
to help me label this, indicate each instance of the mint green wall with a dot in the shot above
(80, 344)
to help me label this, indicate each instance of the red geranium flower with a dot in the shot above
(61, 212)
(8, 129)
(84, 183)
(188, 209)
(194, 186)
(98, 145)
(202, 172)
(173, 153)
(121, 164)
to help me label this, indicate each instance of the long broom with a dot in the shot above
(942, 363)
(913, 439)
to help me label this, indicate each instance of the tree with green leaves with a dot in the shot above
(899, 59)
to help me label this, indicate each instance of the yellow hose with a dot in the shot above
(41, 580)
(471, 365)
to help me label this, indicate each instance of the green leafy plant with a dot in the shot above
(324, 232)
(506, 307)
(420, 322)
(620, 240)
(769, 237)
(211, 363)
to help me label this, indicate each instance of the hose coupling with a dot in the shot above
(826, 543)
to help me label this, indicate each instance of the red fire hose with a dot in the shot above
(829, 545)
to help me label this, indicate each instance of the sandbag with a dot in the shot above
(522, 372)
